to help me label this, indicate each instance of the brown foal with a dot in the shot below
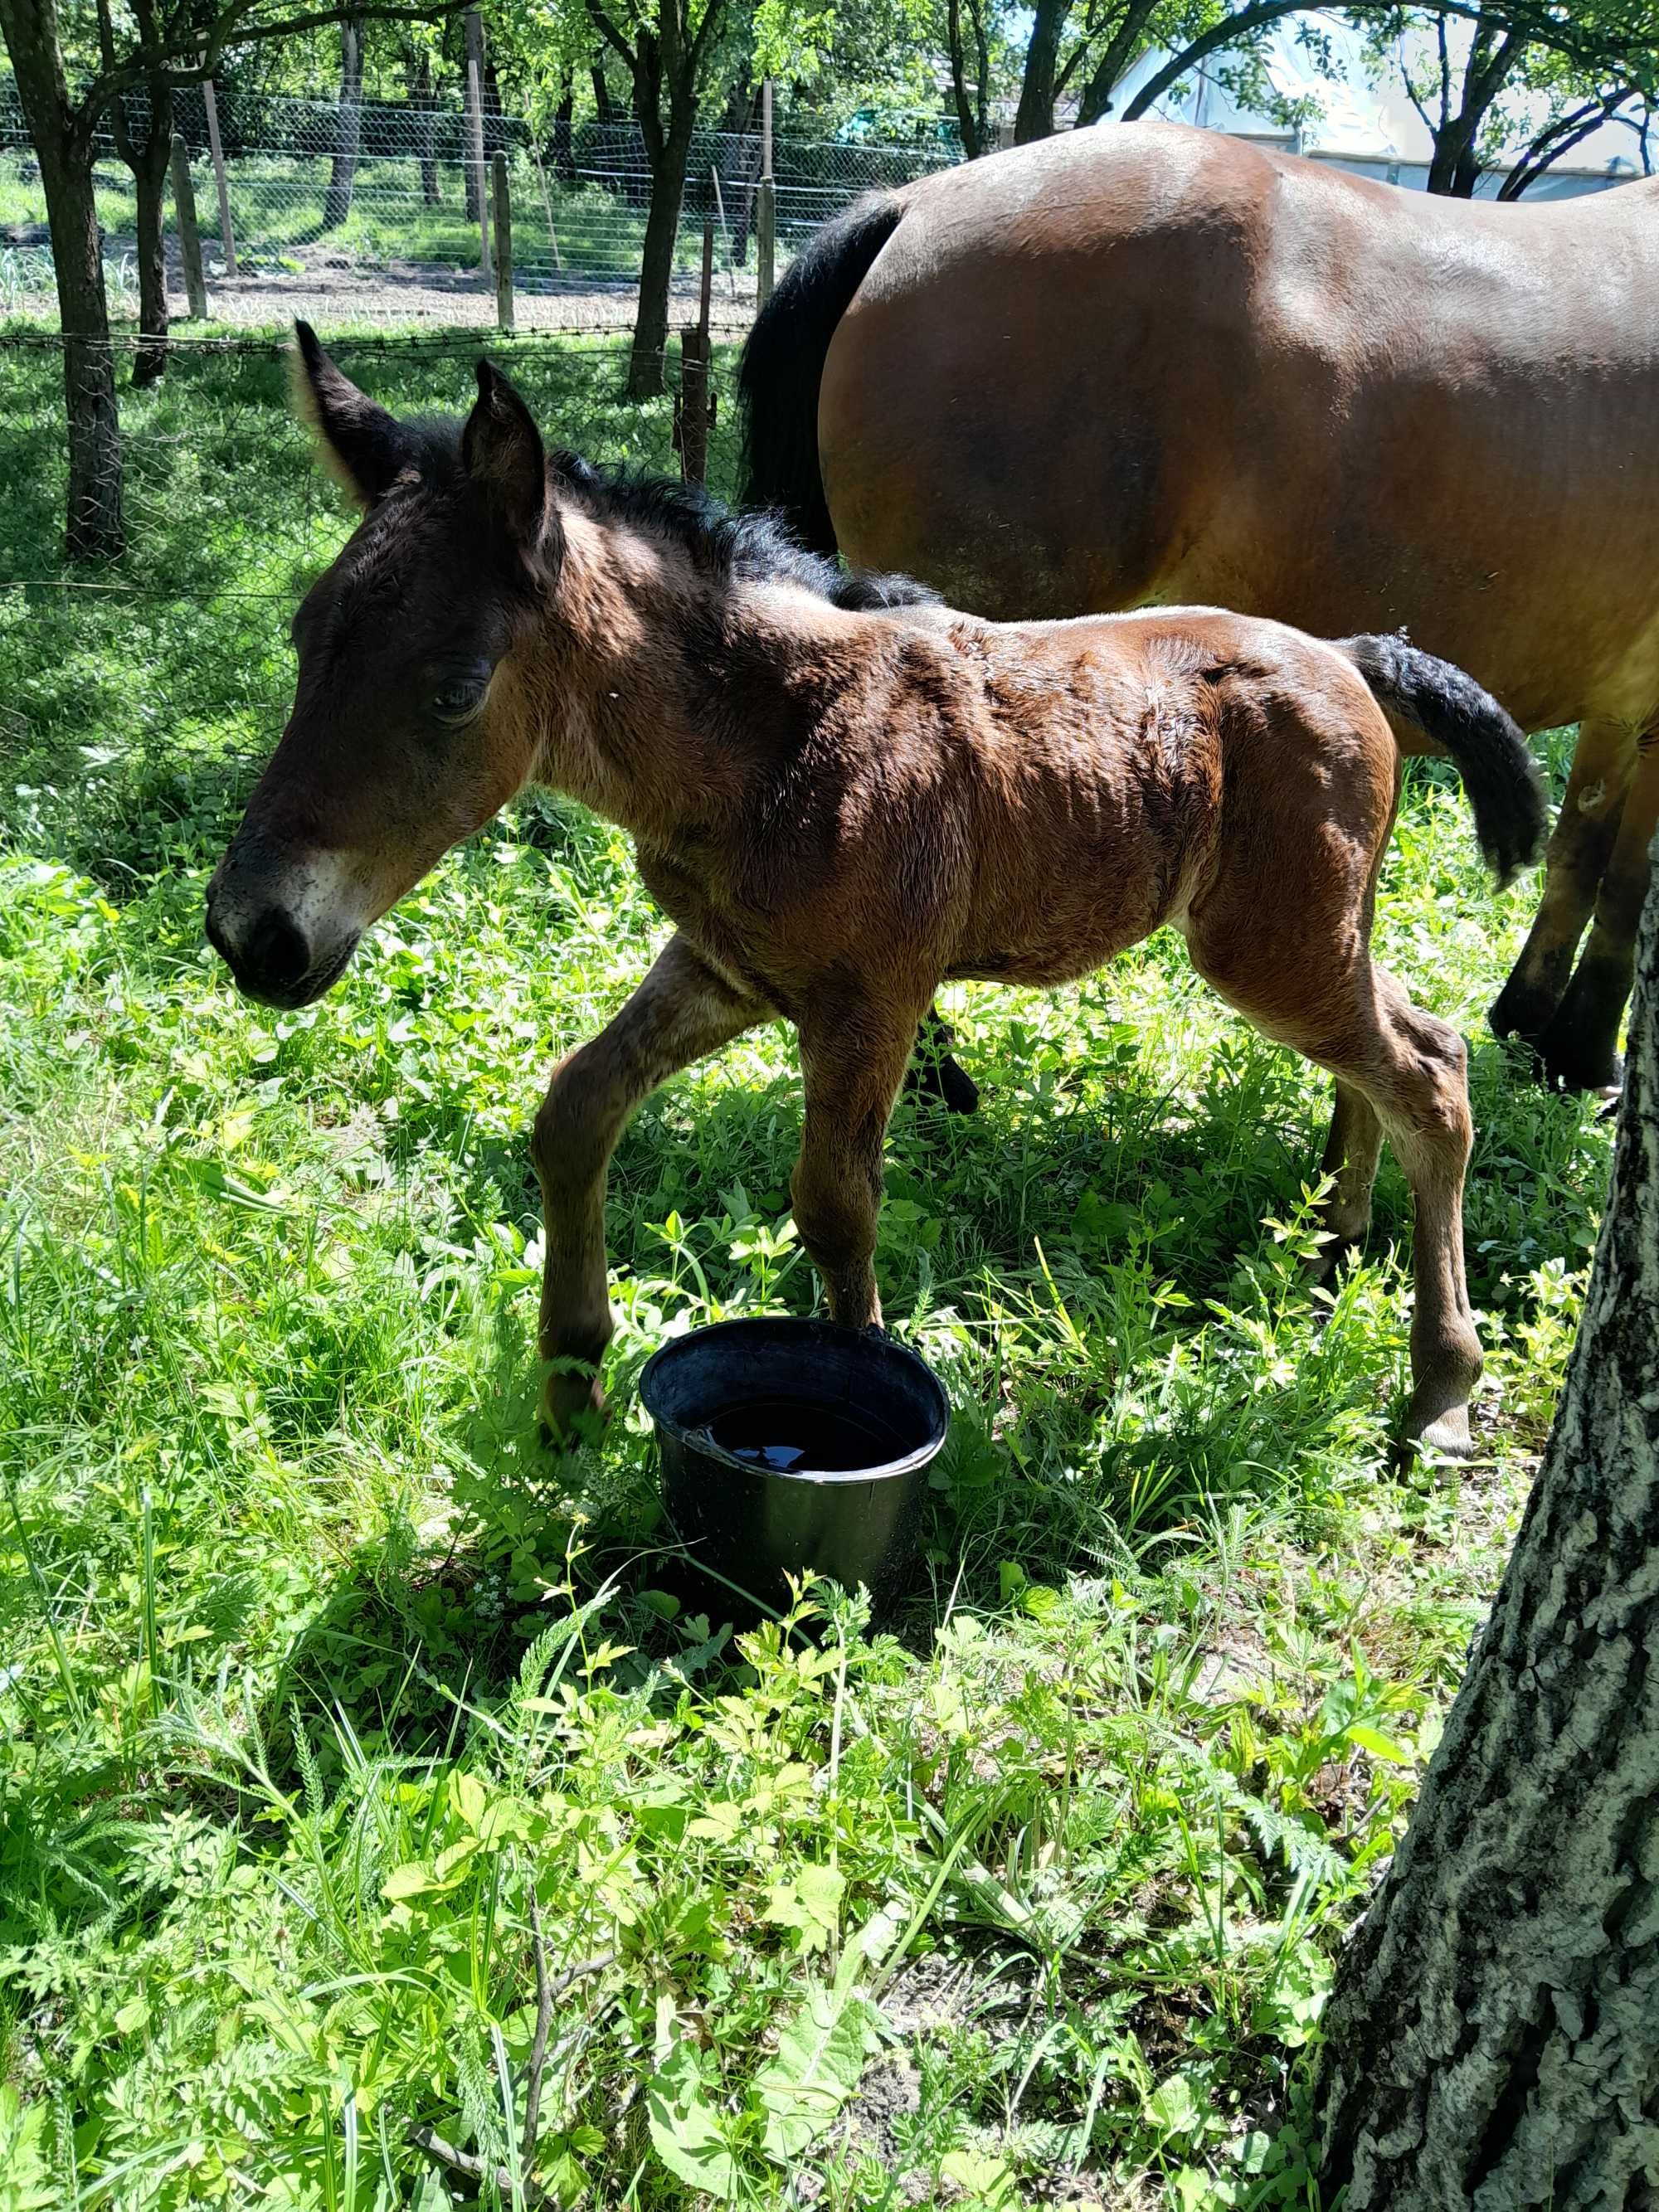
(842, 794)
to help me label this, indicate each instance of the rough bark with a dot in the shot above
(343, 175)
(1492, 2040)
(63, 146)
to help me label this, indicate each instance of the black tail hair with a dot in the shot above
(1502, 780)
(783, 366)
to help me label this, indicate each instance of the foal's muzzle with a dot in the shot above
(276, 962)
(283, 943)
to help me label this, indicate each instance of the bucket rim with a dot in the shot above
(810, 1326)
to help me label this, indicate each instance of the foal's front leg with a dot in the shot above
(852, 1059)
(680, 1011)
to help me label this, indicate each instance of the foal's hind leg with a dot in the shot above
(1352, 1151)
(1409, 1068)
(680, 1011)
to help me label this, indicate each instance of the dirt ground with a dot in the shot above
(332, 289)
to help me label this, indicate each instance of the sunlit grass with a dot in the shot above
(314, 1664)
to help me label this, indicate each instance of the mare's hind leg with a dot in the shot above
(934, 1073)
(680, 1011)
(1352, 1151)
(1409, 1066)
(1580, 1047)
(1603, 762)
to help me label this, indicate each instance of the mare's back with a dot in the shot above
(1146, 364)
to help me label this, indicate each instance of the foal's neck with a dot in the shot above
(663, 691)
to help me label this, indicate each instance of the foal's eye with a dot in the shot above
(458, 702)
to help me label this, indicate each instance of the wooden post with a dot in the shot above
(474, 22)
(226, 236)
(503, 246)
(695, 350)
(719, 203)
(765, 207)
(766, 238)
(190, 239)
(547, 209)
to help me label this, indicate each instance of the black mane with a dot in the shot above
(756, 546)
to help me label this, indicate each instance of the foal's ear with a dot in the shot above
(363, 447)
(502, 451)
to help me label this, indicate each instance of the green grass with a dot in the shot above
(321, 1677)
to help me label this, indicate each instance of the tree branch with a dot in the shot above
(230, 28)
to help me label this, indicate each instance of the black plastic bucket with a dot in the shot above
(794, 1444)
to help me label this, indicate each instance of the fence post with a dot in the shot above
(227, 237)
(765, 207)
(693, 410)
(474, 22)
(190, 239)
(503, 246)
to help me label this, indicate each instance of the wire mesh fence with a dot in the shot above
(175, 659)
(372, 208)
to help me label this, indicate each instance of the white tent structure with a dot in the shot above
(1362, 122)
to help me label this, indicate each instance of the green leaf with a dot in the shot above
(684, 2126)
(411, 1880)
(820, 2056)
(1379, 1746)
(810, 1903)
(1174, 2107)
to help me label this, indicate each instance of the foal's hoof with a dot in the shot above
(572, 1410)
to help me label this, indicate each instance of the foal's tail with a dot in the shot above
(783, 366)
(1429, 699)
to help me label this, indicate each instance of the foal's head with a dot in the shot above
(404, 738)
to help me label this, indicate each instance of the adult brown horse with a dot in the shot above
(1143, 364)
(843, 793)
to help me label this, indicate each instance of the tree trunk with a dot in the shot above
(1121, 48)
(1035, 116)
(564, 135)
(342, 176)
(420, 95)
(149, 164)
(605, 108)
(92, 528)
(1491, 2042)
(668, 157)
(972, 115)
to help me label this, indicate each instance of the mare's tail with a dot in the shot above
(1436, 708)
(783, 366)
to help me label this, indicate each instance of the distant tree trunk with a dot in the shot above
(63, 146)
(1456, 168)
(143, 139)
(420, 95)
(564, 135)
(1491, 2042)
(1121, 50)
(973, 112)
(605, 108)
(342, 176)
(668, 152)
(1035, 116)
